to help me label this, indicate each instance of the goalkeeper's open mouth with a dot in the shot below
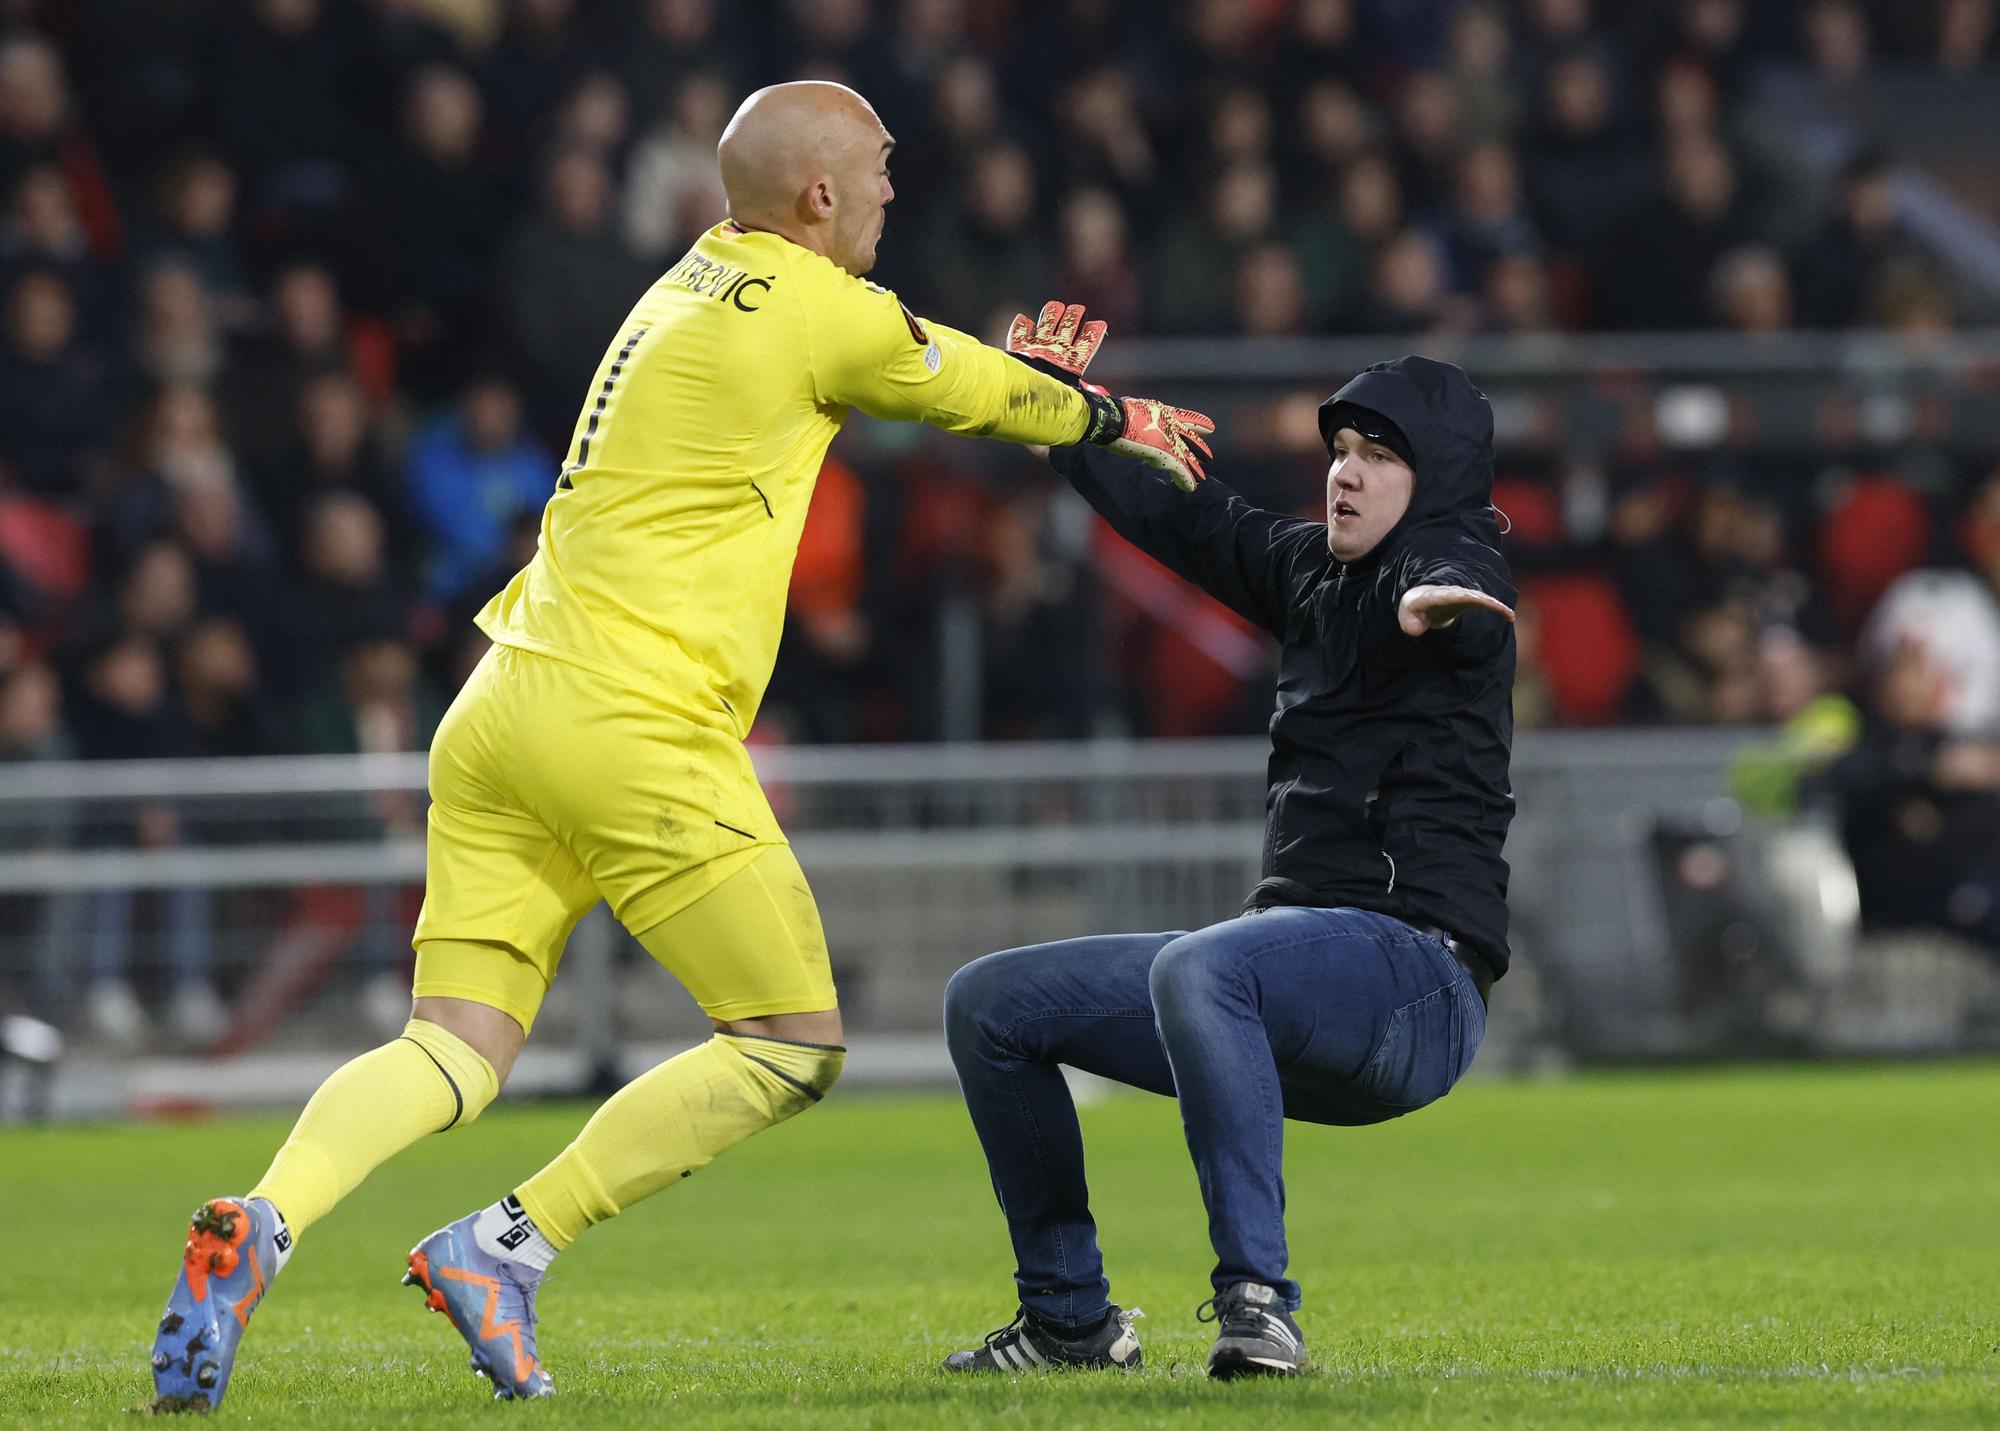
(1343, 511)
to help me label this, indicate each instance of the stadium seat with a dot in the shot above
(1876, 531)
(1591, 653)
(48, 548)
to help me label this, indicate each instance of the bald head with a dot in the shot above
(809, 161)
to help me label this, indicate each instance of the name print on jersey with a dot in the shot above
(720, 282)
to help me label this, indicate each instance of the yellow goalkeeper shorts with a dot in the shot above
(552, 786)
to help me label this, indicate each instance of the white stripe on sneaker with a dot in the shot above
(1028, 1350)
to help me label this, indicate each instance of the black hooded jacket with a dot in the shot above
(1388, 772)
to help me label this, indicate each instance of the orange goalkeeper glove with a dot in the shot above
(1061, 344)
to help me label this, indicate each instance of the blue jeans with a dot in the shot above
(1324, 1015)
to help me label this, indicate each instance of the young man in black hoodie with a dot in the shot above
(1353, 986)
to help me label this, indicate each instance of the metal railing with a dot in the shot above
(303, 874)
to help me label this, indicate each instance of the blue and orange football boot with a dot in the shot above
(235, 1249)
(492, 1303)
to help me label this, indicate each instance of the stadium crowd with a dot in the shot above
(298, 299)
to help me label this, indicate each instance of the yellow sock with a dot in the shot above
(665, 1123)
(371, 1109)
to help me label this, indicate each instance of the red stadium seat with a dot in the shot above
(1534, 510)
(48, 548)
(1878, 530)
(1588, 652)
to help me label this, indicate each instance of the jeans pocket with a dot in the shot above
(1426, 1048)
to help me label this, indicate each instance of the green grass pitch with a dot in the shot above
(1735, 1248)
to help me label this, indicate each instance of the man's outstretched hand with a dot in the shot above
(1059, 338)
(1429, 608)
(1061, 344)
(1167, 438)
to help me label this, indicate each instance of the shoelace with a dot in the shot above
(1013, 1328)
(1234, 1312)
(1018, 1329)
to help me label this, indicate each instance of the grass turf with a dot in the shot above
(1805, 1247)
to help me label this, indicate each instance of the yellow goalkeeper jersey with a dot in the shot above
(667, 546)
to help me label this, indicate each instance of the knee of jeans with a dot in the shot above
(1187, 974)
(969, 999)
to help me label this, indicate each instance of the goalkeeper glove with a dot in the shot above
(1060, 344)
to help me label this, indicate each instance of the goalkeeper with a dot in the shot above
(597, 751)
(1352, 988)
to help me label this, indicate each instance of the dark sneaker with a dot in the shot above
(1028, 1344)
(1257, 1336)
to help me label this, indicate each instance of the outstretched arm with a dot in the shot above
(1432, 607)
(870, 352)
(1257, 563)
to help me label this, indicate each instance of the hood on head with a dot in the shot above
(1448, 426)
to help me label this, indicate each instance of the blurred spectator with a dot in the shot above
(1837, 41)
(1103, 141)
(1580, 168)
(1097, 266)
(32, 729)
(349, 591)
(125, 709)
(596, 115)
(308, 337)
(1951, 620)
(179, 339)
(1654, 270)
(1485, 80)
(1039, 681)
(1426, 139)
(1920, 806)
(568, 277)
(54, 391)
(667, 39)
(1371, 202)
(1815, 726)
(435, 211)
(1192, 293)
(472, 471)
(1407, 293)
(829, 39)
(229, 709)
(178, 444)
(1965, 36)
(378, 702)
(275, 88)
(1751, 293)
(964, 118)
(1841, 269)
(39, 125)
(43, 231)
(673, 186)
(235, 558)
(1271, 294)
(1516, 296)
(1486, 218)
(195, 229)
(1331, 129)
(1557, 29)
(830, 639)
(334, 447)
(541, 54)
(1317, 43)
(983, 255)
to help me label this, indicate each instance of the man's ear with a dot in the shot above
(816, 204)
